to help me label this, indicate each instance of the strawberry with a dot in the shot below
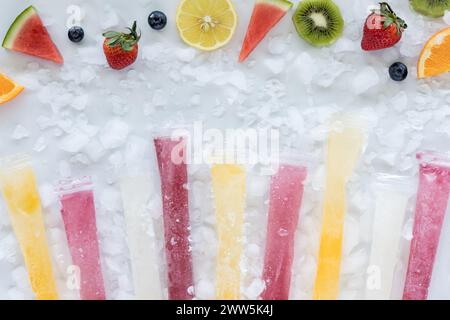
(121, 49)
(383, 29)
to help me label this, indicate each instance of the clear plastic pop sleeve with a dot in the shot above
(78, 213)
(286, 193)
(170, 154)
(431, 205)
(345, 144)
(229, 187)
(19, 189)
(392, 195)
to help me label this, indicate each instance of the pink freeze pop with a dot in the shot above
(431, 205)
(173, 172)
(78, 213)
(286, 192)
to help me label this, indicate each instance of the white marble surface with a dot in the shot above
(67, 116)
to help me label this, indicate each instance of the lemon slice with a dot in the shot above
(206, 24)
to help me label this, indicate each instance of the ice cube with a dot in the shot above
(17, 294)
(255, 288)
(79, 103)
(40, 144)
(136, 150)
(355, 262)
(235, 78)
(275, 65)
(304, 68)
(74, 141)
(365, 79)
(160, 98)
(195, 100)
(110, 199)
(20, 132)
(205, 289)
(186, 54)
(351, 235)
(344, 45)
(153, 52)
(47, 193)
(109, 17)
(91, 55)
(65, 170)
(148, 109)
(257, 189)
(9, 248)
(329, 74)
(20, 277)
(114, 134)
(116, 160)
(94, 150)
(44, 122)
(277, 45)
(87, 74)
(407, 231)
(409, 50)
(400, 101)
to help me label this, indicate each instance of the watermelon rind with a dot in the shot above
(16, 26)
(282, 4)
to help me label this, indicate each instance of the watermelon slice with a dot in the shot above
(265, 16)
(28, 35)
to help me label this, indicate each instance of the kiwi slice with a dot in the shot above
(319, 22)
(431, 8)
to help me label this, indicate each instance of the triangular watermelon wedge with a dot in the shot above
(28, 35)
(266, 14)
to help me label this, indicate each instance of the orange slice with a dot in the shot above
(8, 89)
(435, 58)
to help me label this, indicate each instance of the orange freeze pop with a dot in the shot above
(18, 185)
(228, 183)
(345, 142)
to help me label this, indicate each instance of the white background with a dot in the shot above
(61, 121)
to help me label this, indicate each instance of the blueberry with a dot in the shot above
(76, 34)
(398, 71)
(157, 20)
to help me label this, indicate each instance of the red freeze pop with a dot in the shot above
(78, 213)
(286, 192)
(431, 205)
(173, 172)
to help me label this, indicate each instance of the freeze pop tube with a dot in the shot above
(18, 185)
(228, 183)
(286, 192)
(431, 205)
(345, 143)
(171, 155)
(392, 194)
(78, 213)
(144, 257)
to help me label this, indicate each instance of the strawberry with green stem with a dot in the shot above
(383, 29)
(121, 49)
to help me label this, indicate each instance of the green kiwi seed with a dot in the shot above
(319, 22)
(431, 8)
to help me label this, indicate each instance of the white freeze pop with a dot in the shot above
(142, 246)
(391, 195)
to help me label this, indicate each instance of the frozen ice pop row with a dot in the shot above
(392, 195)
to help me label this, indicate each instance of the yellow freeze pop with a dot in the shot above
(228, 182)
(345, 142)
(19, 190)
